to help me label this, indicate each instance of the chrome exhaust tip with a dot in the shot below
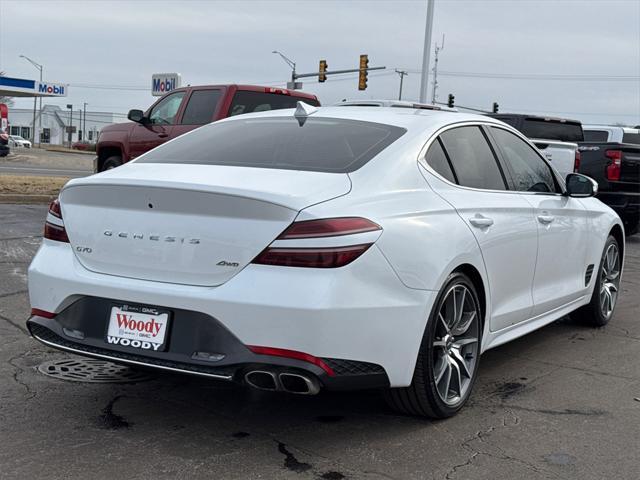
(262, 380)
(299, 384)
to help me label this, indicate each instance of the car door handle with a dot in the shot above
(163, 135)
(546, 219)
(481, 222)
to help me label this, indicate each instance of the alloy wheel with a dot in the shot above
(455, 344)
(609, 280)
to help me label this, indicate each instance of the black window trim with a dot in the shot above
(559, 182)
(422, 156)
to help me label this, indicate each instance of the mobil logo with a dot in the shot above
(162, 83)
(51, 89)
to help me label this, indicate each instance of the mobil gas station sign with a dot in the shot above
(22, 87)
(162, 83)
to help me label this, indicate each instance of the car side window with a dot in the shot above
(437, 159)
(201, 106)
(473, 161)
(164, 113)
(529, 171)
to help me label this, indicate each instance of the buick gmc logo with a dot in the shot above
(152, 238)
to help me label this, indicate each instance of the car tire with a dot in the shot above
(600, 309)
(449, 340)
(111, 162)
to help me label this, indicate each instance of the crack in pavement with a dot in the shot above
(12, 323)
(18, 371)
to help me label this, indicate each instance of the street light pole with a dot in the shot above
(291, 64)
(424, 81)
(33, 135)
(70, 107)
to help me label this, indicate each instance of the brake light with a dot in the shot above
(576, 162)
(329, 227)
(614, 167)
(319, 255)
(277, 91)
(54, 226)
(281, 352)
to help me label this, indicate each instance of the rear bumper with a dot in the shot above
(360, 319)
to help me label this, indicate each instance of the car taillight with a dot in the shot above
(576, 162)
(54, 226)
(329, 227)
(319, 255)
(613, 168)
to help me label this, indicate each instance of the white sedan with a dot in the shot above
(338, 248)
(18, 141)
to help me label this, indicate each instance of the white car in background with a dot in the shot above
(18, 141)
(338, 248)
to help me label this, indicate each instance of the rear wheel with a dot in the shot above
(111, 162)
(449, 355)
(605, 293)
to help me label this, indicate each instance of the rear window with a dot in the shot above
(249, 102)
(596, 136)
(631, 138)
(319, 144)
(552, 130)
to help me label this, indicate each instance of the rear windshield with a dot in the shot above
(552, 130)
(631, 138)
(319, 144)
(246, 101)
(596, 136)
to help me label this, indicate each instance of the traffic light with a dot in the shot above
(362, 77)
(323, 68)
(451, 100)
(495, 107)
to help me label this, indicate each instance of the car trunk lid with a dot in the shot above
(186, 224)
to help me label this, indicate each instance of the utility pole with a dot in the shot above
(402, 73)
(70, 107)
(84, 122)
(424, 81)
(33, 135)
(435, 70)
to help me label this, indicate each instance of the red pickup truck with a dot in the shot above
(185, 109)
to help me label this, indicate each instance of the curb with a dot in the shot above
(26, 199)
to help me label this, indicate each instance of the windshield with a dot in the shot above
(317, 144)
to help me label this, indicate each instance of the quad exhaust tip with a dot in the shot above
(285, 381)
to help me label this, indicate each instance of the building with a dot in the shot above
(55, 121)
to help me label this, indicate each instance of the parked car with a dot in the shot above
(337, 248)
(611, 156)
(4, 144)
(83, 146)
(183, 110)
(557, 138)
(18, 141)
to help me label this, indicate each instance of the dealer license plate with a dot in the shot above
(143, 328)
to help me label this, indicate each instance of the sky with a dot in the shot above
(571, 58)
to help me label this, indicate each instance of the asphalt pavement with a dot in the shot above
(560, 403)
(40, 162)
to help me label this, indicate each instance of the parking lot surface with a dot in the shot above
(36, 161)
(563, 402)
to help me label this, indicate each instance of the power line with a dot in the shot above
(539, 76)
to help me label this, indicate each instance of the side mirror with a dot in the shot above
(136, 116)
(581, 186)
